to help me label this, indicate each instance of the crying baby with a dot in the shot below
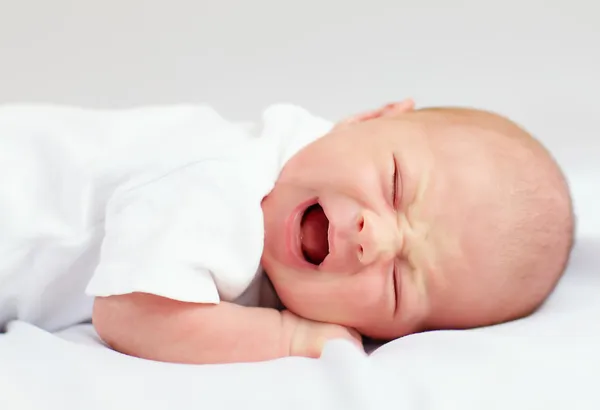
(391, 222)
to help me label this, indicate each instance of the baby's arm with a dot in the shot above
(161, 329)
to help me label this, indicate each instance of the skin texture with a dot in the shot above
(432, 219)
(478, 234)
(156, 328)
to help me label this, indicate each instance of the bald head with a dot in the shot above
(519, 247)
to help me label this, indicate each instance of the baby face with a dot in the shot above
(372, 227)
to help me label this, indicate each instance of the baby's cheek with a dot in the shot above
(370, 292)
(302, 295)
(343, 299)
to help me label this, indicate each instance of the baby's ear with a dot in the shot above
(389, 110)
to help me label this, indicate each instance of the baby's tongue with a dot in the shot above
(315, 243)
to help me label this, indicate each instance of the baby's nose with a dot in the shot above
(377, 238)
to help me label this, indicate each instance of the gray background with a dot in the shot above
(536, 61)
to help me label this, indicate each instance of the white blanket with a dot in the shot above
(547, 361)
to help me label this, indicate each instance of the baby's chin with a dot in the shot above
(374, 324)
(371, 327)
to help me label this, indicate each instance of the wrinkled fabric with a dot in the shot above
(157, 199)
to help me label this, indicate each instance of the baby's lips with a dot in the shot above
(331, 237)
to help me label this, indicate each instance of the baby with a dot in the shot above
(391, 222)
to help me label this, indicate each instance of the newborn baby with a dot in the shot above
(391, 222)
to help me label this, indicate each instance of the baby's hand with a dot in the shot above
(309, 337)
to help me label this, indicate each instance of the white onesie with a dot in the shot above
(156, 199)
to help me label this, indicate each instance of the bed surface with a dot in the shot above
(550, 360)
(535, 61)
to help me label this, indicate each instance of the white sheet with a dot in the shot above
(536, 61)
(550, 360)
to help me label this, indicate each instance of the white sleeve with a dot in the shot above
(188, 236)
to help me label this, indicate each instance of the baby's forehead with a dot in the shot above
(472, 121)
(450, 134)
(476, 133)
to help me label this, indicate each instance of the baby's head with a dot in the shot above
(401, 221)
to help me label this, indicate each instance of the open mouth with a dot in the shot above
(314, 240)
